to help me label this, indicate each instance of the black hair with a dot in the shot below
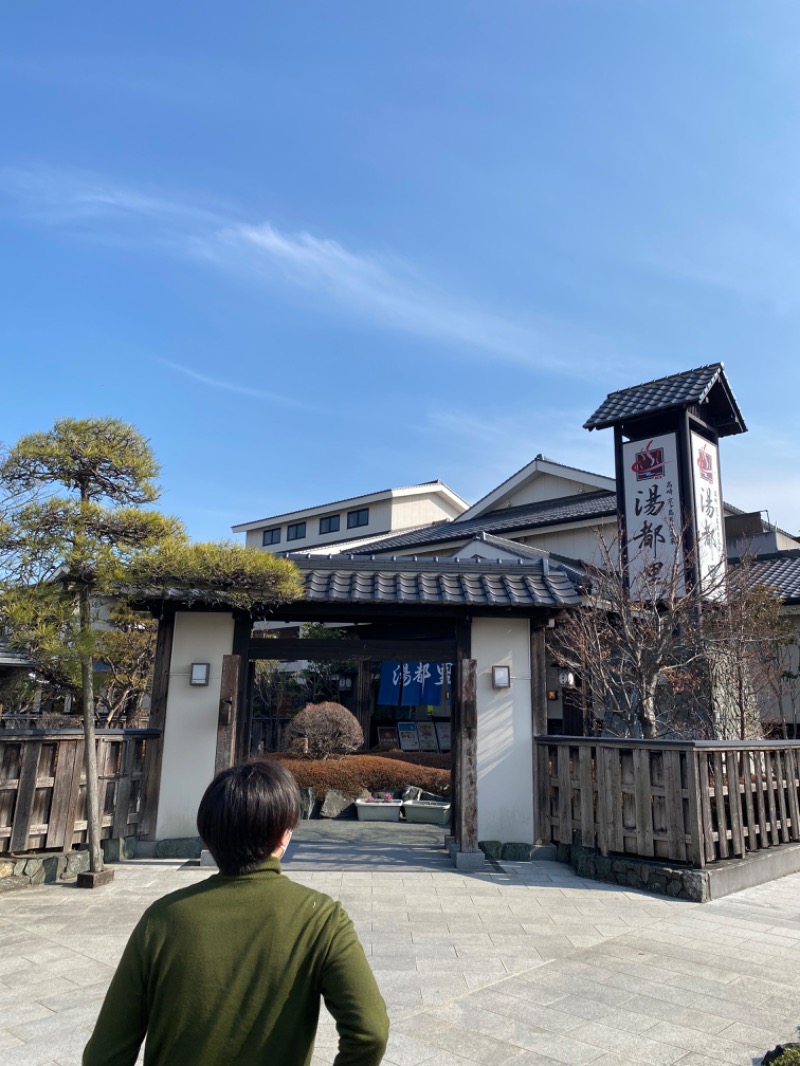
(244, 813)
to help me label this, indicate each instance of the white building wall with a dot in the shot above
(421, 510)
(380, 521)
(577, 543)
(505, 757)
(190, 729)
(544, 487)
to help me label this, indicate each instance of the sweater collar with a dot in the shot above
(269, 868)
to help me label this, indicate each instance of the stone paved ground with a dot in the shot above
(523, 964)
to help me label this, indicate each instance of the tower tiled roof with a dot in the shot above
(704, 384)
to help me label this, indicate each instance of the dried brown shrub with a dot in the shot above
(329, 728)
(356, 773)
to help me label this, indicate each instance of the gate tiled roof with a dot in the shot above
(404, 580)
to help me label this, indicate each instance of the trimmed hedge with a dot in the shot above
(418, 758)
(355, 773)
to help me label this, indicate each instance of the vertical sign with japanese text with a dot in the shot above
(708, 518)
(653, 516)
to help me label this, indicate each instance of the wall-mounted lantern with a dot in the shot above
(566, 679)
(199, 673)
(501, 677)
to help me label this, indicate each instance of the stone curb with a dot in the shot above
(22, 871)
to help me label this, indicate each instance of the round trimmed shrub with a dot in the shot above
(325, 729)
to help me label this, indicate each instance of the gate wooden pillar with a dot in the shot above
(151, 778)
(364, 699)
(467, 826)
(539, 724)
(464, 775)
(228, 712)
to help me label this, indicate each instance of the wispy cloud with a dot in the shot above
(365, 285)
(485, 450)
(243, 390)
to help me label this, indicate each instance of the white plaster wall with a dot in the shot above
(544, 487)
(505, 767)
(190, 731)
(424, 508)
(579, 542)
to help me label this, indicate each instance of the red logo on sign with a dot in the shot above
(705, 464)
(649, 463)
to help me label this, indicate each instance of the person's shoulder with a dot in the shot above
(164, 904)
(310, 897)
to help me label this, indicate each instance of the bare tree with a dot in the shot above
(748, 638)
(127, 651)
(654, 660)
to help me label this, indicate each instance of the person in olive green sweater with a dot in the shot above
(231, 971)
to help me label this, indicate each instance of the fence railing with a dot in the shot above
(43, 786)
(693, 802)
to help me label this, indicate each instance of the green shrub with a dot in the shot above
(355, 774)
(790, 1056)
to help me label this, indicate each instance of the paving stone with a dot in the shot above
(725, 1050)
(531, 967)
(653, 1051)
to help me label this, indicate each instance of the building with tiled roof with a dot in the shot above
(356, 519)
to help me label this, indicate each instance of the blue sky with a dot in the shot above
(313, 250)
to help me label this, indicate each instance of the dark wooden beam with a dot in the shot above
(538, 682)
(243, 718)
(402, 629)
(307, 611)
(439, 651)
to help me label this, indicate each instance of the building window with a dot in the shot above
(296, 531)
(271, 536)
(358, 518)
(329, 524)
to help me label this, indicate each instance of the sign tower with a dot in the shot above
(669, 491)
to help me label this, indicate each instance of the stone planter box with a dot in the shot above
(378, 811)
(427, 813)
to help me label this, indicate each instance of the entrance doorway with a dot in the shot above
(367, 651)
(396, 679)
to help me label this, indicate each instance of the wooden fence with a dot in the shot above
(43, 786)
(692, 802)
